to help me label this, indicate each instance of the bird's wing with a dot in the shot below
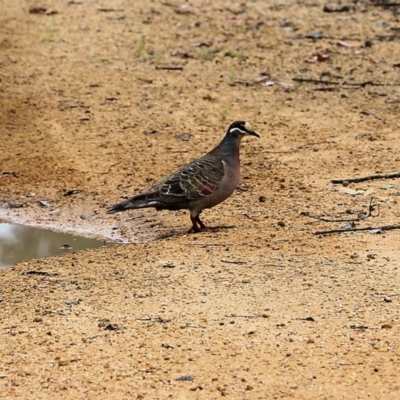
(191, 182)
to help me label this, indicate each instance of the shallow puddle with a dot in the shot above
(19, 243)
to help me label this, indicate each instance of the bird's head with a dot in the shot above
(240, 129)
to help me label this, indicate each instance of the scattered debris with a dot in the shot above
(169, 265)
(335, 9)
(358, 327)
(87, 216)
(344, 44)
(248, 316)
(183, 9)
(44, 203)
(205, 43)
(107, 10)
(310, 319)
(179, 52)
(72, 301)
(234, 262)
(185, 378)
(184, 137)
(112, 327)
(11, 205)
(318, 58)
(315, 35)
(43, 273)
(368, 228)
(42, 10)
(66, 247)
(349, 226)
(13, 173)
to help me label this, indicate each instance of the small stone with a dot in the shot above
(262, 199)
(387, 299)
(44, 203)
(112, 327)
(66, 247)
(281, 224)
(187, 378)
(368, 43)
(86, 216)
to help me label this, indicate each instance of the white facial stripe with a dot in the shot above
(248, 126)
(239, 130)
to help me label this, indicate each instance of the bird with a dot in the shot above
(201, 184)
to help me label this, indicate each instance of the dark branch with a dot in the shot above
(344, 83)
(369, 228)
(367, 178)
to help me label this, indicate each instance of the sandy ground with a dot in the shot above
(90, 102)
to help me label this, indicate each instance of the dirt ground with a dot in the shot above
(104, 98)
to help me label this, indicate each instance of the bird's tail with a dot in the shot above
(130, 204)
(125, 205)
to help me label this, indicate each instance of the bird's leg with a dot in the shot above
(202, 226)
(198, 225)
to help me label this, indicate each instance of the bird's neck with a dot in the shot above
(230, 148)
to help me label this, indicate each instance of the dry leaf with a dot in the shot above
(344, 44)
(349, 191)
(179, 52)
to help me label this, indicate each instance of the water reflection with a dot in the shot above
(19, 243)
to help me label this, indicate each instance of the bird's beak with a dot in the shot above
(252, 133)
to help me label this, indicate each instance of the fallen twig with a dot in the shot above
(369, 228)
(343, 84)
(44, 273)
(367, 178)
(360, 218)
(156, 319)
(309, 80)
(234, 262)
(210, 244)
(248, 316)
(274, 265)
(385, 4)
(170, 67)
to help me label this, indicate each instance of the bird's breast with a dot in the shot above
(227, 185)
(231, 175)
